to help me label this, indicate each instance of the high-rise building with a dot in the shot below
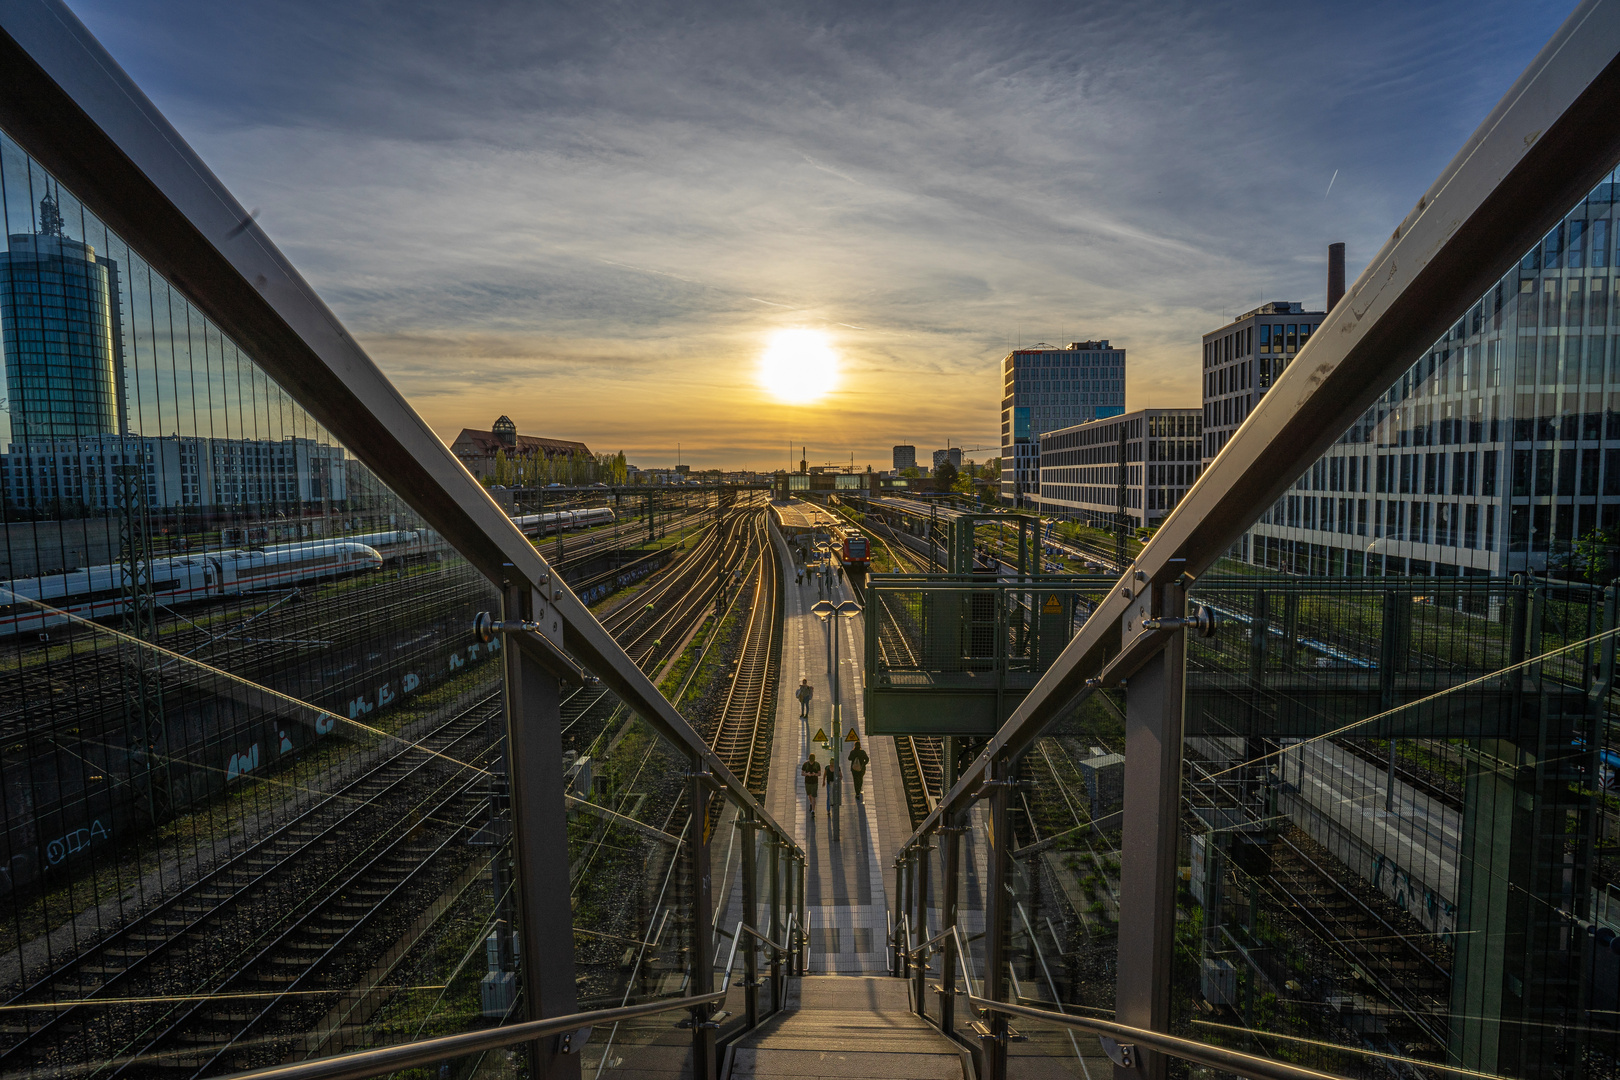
(905, 457)
(1242, 358)
(1499, 448)
(1139, 465)
(1045, 389)
(952, 455)
(62, 334)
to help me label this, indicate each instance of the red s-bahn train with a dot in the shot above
(853, 549)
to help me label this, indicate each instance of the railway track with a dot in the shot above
(1400, 963)
(235, 967)
(742, 732)
(261, 924)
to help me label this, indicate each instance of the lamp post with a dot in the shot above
(825, 610)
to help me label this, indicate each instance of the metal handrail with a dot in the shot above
(926, 948)
(783, 949)
(368, 1063)
(1199, 1053)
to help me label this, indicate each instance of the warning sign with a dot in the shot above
(850, 736)
(821, 735)
(1052, 607)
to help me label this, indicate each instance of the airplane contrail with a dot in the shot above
(1330, 183)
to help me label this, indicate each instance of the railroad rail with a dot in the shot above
(278, 918)
(370, 836)
(742, 732)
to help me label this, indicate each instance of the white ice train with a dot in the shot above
(396, 544)
(96, 592)
(563, 520)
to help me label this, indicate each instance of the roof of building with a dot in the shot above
(486, 443)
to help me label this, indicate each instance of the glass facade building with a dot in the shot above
(1498, 452)
(61, 329)
(1047, 388)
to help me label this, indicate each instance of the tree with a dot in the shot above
(991, 470)
(503, 470)
(1594, 555)
(911, 473)
(945, 477)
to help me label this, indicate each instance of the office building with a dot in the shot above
(1139, 465)
(91, 474)
(952, 455)
(905, 457)
(1242, 358)
(1045, 389)
(1499, 448)
(61, 328)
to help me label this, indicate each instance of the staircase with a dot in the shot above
(847, 1027)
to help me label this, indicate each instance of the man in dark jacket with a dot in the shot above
(812, 780)
(858, 760)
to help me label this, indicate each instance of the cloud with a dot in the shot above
(591, 216)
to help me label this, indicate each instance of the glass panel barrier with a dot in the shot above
(1065, 862)
(251, 742)
(628, 856)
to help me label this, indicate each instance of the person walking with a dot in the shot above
(812, 778)
(858, 760)
(798, 576)
(804, 693)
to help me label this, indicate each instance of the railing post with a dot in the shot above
(909, 860)
(994, 1039)
(919, 904)
(750, 904)
(702, 962)
(776, 920)
(950, 868)
(1147, 891)
(539, 841)
(804, 928)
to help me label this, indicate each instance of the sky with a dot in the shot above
(594, 217)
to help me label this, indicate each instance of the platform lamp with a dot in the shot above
(825, 610)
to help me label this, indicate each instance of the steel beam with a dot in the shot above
(1147, 884)
(950, 842)
(539, 843)
(705, 1066)
(750, 905)
(994, 1042)
(1550, 140)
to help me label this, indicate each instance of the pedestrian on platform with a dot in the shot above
(798, 576)
(858, 760)
(812, 778)
(804, 693)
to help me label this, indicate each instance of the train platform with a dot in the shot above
(847, 882)
(794, 517)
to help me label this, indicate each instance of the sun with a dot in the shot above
(798, 367)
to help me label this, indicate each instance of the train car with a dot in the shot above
(398, 545)
(596, 515)
(33, 605)
(563, 520)
(854, 549)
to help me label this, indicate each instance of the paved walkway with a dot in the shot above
(849, 1029)
(847, 881)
